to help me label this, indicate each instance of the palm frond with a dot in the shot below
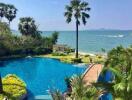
(69, 8)
(84, 16)
(75, 3)
(68, 20)
(84, 20)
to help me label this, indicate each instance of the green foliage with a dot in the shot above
(80, 91)
(55, 37)
(23, 45)
(119, 62)
(14, 88)
(58, 54)
(77, 9)
(8, 11)
(103, 50)
(77, 60)
(4, 29)
(56, 95)
(28, 27)
(2, 9)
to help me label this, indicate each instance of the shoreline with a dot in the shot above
(86, 53)
(91, 54)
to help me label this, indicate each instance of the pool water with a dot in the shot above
(107, 78)
(40, 74)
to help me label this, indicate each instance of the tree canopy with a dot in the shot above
(28, 27)
(8, 11)
(78, 10)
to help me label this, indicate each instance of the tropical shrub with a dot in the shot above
(4, 29)
(119, 63)
(76, 60)
(56, 95)
(58, 54)
(11, 44)
(14, 88)
(78, 91)
(82, 92)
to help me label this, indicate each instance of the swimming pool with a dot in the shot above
(40, 74)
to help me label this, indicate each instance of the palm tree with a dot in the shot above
(10, 12)
(28, 27)
(2, 10)
(56, 95)
(78, 10)
(82, 92)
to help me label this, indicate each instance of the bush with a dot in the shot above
(24, 45)
(58, 54)
(13, 87)
(4, 28)
(77, 60)
(87, 56)
(41, 51)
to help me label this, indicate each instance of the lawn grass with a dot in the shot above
(69, 58)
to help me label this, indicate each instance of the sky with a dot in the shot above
(49, 14)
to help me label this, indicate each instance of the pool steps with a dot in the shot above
(43, 97)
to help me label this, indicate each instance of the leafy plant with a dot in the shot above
(119, 62)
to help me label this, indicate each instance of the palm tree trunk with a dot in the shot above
(76, 38)
(1, 86)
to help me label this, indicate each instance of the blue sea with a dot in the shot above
(92, 41)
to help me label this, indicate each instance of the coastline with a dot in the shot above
(86, 53)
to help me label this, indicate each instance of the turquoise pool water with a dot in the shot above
(40, 74)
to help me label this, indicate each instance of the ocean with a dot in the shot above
(92, 41)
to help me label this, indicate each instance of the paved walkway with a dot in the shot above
(92, 73)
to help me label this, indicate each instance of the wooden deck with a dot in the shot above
(92, 73)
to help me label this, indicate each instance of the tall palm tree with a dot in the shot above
(2, 10)
(10, 12)
(78, 10)
(28, 27)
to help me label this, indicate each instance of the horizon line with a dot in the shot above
(86, 30)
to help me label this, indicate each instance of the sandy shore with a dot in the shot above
(84, 53)
(92, 54)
